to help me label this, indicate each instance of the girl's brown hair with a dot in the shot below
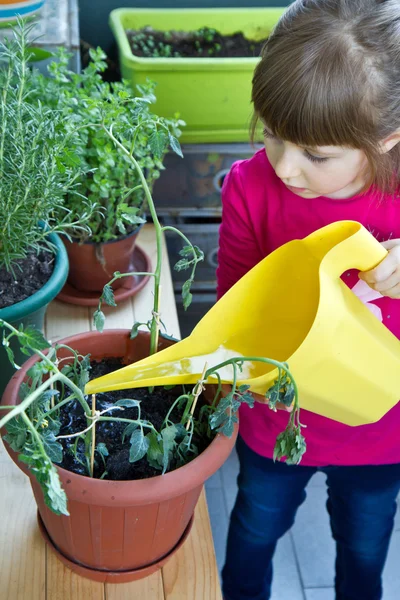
(329, 75)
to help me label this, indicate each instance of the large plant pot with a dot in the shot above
(212, 95)
(121, 530)
(31, 311)
(92, 265)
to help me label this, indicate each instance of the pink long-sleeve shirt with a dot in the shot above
(259, 215)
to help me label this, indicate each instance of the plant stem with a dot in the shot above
(180, 398)
(148, 425)
(158, 230)
(55, 409)
(34, 433)
(283, 366)
(197, 391)
(175, 230)
(20, 408)
(93, 433)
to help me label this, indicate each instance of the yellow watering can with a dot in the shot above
(293, 307)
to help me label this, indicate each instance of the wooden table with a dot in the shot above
(29, 569)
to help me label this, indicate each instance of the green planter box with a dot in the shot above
(211, 94)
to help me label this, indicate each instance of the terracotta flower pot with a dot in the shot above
(92, 265)
(117, 530)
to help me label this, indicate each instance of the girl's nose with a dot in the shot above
(286, 167)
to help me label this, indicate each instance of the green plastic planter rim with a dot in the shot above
(165, 64)
(48, 292)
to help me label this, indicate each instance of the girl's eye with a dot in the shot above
(269, 135)
(315, 159)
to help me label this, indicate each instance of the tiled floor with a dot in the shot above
(303, 567)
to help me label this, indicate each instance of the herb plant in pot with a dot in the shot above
(111, 181)
(117, 476)
(38, 167)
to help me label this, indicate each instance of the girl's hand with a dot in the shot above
(385, 278)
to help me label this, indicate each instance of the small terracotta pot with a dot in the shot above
(92, 265)
(121, 526)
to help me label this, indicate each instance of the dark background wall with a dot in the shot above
(93, 14)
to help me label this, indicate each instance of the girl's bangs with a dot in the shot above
(308, 110)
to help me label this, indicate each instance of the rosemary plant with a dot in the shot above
(39, 165)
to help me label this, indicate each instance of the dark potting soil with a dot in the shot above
(30, 274)
(154, 407)
(204, 43)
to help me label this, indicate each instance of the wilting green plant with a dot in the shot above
(33, 426)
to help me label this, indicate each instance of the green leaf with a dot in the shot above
(127, 403)
(288, 394)
(168, 435)
(154, 452)
(10, 354)
(139, 445)
(108, 295)
(39, 369)
(55, 497)
(16, 434)
(290, 445)
(135, 330)
(84, 376)
(24, 390)
(186, 295)
(28, 460)
(182, 264)
(243, 388)
(165, 336)
(54, 449)
(34, 339)
(175, 145)
(43, 402)
(157, 142)
(248, 399)
(99, 320)
(102, 449)
(129, 430)
(37, 54)
(228, 427)
(186, 252)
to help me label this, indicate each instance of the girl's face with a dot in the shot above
(330, 171)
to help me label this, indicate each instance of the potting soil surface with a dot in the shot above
(204, 43)
(30, 274)
(154, 408)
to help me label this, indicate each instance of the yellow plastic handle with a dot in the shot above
(346, 245)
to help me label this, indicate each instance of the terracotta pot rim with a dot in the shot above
(127, 492)
(120, 238)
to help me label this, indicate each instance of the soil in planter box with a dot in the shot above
(203, 43)
(30, 274)
(154, 407)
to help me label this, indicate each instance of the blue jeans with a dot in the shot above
(361, 504)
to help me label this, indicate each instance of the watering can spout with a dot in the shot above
(181, 363)
(292, 307)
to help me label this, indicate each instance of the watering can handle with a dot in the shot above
(347, 245)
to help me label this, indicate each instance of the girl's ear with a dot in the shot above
(390, 142)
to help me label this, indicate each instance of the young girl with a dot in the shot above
(327, 92)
